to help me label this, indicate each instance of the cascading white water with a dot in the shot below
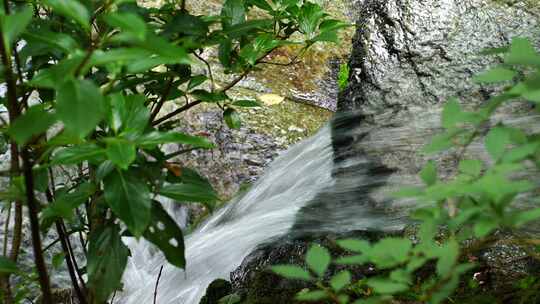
(219, 245)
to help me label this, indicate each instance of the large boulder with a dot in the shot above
(409, 57)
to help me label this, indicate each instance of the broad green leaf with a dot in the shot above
(390, 252)
(187, 24)
(77, 154)
(107, 260)
(495, 75)
(121, 56)
(59, 41)
(36, 120)
(472, 167)
(484, 226)
(136, 115)
(196, 81)
(311, 296)
(232, 118)
(354, 245)
(66, 203)
(200, 193)
(80, 106)
(244, 28)
(232, 13)
(72, 9)
(496, 142)
(292, 272)
(262, 4)
(166, 235)
(429, 173)
(155, 138)
(310, 17)
(129, 198)
(448, 256)
(340, 280)
(57, 260)
(523, 217)
(522, 53)
(451, 113)
(55, 76)
(208, 96)
(7, 266)
(121, 152)
(318, 259)
(386, 286)
(14, 25)
(230, 299)
(247, 103)
(132, 25)
(440, 143)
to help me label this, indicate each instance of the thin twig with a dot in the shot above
(209, 68)
(157, 283)
(162, 100)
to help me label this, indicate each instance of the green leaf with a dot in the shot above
(36, 120)
(152, 139)
(247, 103)
(318, 259)
(121, 152)
(340, 280)
(484, 226)
(187, 24)
(66, 203)
(200, 193)
(440, 143)
(310, 17)
(196, 81)
(472, 167)
(448, 255)
(209, 97)
(14, 25)
(450, 113)
(495, 75)
(7, 266)
(72, 9)
(386, 286)
(129, 198)
(107, 260)
(166, 235)
(390, 252)
(57, 260)
(522, 53)
(244, 28)
(311, 296)
(354, 245)
(80, 106)
(77, 154)
(496, 142)
(131, 24)
(429, 173)
(230, 299)
(292, 272)
(523, 217)
(232, 118)
(232, 13)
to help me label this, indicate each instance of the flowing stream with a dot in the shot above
(218, 246)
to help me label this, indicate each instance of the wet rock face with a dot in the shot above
(420, 53)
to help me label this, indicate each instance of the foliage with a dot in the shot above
(343, 76)
(481, 197)
(103, 71)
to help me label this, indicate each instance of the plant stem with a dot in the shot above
(34, 227)
(157, 284)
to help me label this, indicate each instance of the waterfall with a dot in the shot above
(219, 245)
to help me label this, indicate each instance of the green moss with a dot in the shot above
(289, 121)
